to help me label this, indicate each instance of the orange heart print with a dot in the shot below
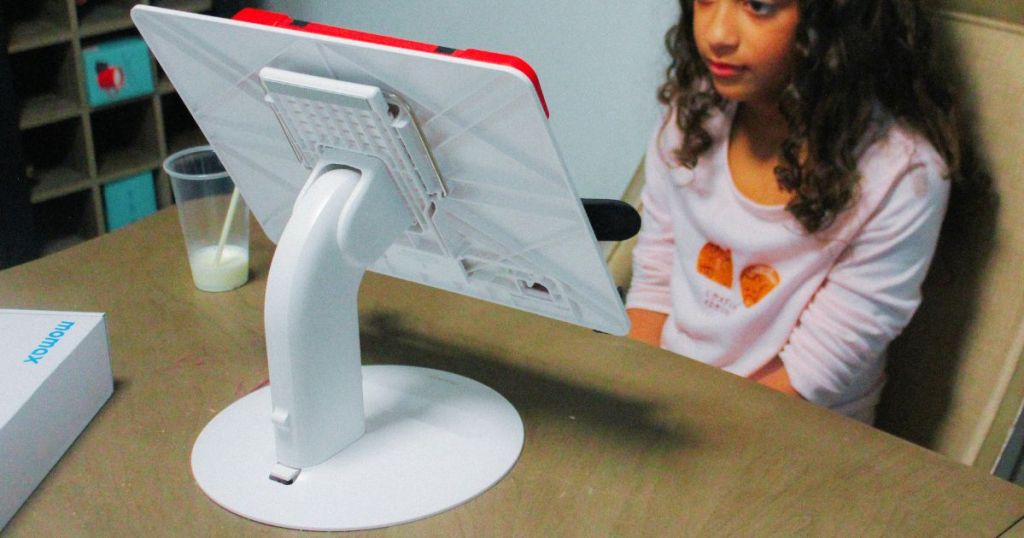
(756, 281)
(715, 263)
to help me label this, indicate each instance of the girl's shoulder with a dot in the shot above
(901, 175)
(896, 152)
(662, 158)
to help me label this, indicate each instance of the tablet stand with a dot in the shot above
(333, 445)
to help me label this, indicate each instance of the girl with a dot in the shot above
(794, 192)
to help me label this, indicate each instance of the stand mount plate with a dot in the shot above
(433, 440)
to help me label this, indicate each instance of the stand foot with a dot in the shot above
(433, 441)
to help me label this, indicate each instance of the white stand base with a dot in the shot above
(433, 441)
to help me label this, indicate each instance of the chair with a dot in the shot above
(956, 381)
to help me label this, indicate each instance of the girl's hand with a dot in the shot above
(774, 375)
(646, 325)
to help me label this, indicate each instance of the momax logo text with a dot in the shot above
(51, 340)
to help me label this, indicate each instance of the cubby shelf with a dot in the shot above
(38, 24)
(57, 158)
(45, 109)
(73, 149)
(33, 34)
(97, 18)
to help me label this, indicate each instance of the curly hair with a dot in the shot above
(852, 56)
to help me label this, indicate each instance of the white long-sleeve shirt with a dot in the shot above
(743, 282)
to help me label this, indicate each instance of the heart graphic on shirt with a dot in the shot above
(756, 281)
(715, 263)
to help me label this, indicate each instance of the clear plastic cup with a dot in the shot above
(214, 219)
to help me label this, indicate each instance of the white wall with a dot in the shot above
(599, 63)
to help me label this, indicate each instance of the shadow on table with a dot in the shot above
(532, 393)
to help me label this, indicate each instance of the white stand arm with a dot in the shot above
(348, 447)
(342, 222)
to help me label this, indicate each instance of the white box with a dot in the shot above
(54, 376)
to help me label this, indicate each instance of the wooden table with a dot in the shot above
(621, 438)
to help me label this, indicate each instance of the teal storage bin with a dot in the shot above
(128, 200)
(117, 70)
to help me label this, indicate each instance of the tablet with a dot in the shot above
(498, 218)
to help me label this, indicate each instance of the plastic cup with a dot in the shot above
(214, 219)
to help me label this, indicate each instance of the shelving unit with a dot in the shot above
(71, 148)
